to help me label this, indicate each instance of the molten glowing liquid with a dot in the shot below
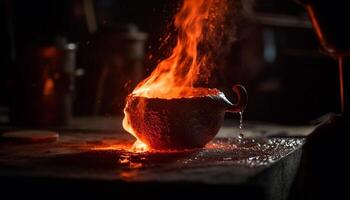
(199, 25)
(181, 93)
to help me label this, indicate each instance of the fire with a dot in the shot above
(199, 25)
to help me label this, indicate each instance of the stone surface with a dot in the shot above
(263, 167)
(31, 136)
(88, 160)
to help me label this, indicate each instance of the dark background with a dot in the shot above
(275, 55)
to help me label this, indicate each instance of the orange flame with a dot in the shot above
(198, 23)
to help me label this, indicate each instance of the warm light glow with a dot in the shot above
(199, 25)
(49, 52)
(49, 87)
(139, 147)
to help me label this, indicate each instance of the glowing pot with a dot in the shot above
(184, 122)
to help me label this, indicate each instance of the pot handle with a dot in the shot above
(242, 99)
